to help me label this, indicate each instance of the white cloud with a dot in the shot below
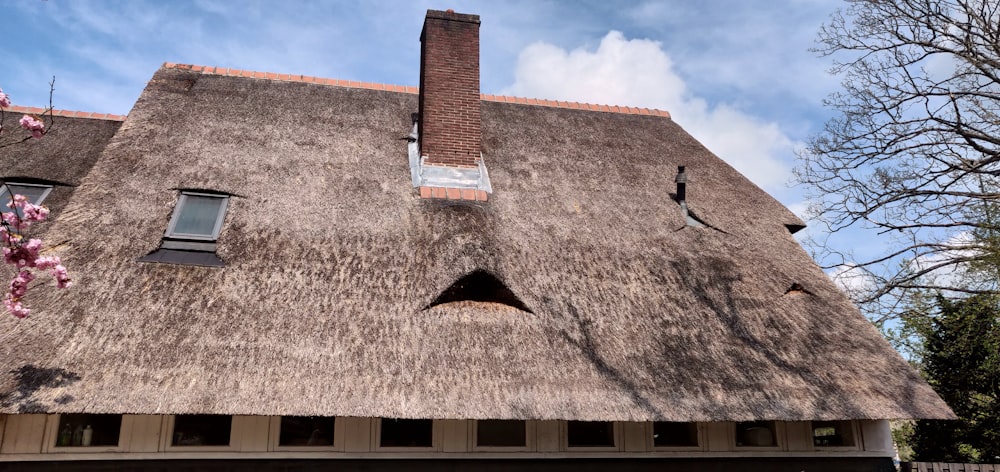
(853, 280)
(637, 72)
(959, 246)
(802, 209)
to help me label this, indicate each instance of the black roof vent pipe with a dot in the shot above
(689, 217)
(681, 180)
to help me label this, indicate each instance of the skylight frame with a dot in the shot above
(179, 209)
(10, 194)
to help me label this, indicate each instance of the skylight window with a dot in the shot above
(35, 193)
(198, 216)
(194, 227)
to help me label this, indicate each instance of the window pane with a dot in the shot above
(671, 434)
(406, 433)
(202, 430)
(590, 433)
(33, 193)
(832, 433)
(755, 434)
(500, 433)
(306, 431)
(83, 430)
(198, 215)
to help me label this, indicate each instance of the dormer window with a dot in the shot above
(198, 216)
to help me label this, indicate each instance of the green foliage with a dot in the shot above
(961, 360)
(902, 433)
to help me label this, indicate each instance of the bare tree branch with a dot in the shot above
(914, 153)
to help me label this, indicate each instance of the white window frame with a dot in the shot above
(52, 436)
(616, 434)
(651, 443)
(274, 433)
(167, 438)
(855, 434)
(181, 201)
(435, 439)
(6, 187)
(529, 439)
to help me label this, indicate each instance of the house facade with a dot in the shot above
(278, 271)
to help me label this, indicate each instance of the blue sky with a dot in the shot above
(736, 74)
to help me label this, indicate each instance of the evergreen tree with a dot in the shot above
(961, 360)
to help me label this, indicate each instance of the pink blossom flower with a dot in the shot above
(47, 262)
(17, 202)
(26, 255)
(15, 307)
(62, 276)
(34, 212)
(33, 124)
(11, 219)
(23, 255)
(4, 99)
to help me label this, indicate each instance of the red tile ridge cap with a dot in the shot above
(291, 78)
(575, 105)
(64, 113)
(415, 90)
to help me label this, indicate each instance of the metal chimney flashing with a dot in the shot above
(423, 174)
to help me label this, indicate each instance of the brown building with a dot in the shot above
(288, 272)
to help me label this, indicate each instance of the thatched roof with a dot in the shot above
(61, 158)
(332, 260)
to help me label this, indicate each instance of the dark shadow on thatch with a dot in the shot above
(31, 379)
(32, 180)
(717, 290)
(182, 257)
(585, 343)
(479, 286)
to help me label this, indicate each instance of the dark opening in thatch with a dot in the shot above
(797, 288)
(794, 228)
(479, 286)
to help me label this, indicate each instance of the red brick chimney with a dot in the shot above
(449, 126)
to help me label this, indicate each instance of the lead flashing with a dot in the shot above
(434, 175)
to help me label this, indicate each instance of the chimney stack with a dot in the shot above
(449, 126)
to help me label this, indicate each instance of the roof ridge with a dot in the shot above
(414, 90)
(65, 113)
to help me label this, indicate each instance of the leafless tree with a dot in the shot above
(914, 151)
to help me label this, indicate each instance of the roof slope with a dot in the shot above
(332, 259)
(68, 150)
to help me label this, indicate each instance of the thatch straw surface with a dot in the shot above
(331, 258)
(61, 158)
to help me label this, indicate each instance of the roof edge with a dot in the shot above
(414, 90)
(65, 113)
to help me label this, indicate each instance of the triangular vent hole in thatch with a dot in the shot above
(797, 288)
(479, 286)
